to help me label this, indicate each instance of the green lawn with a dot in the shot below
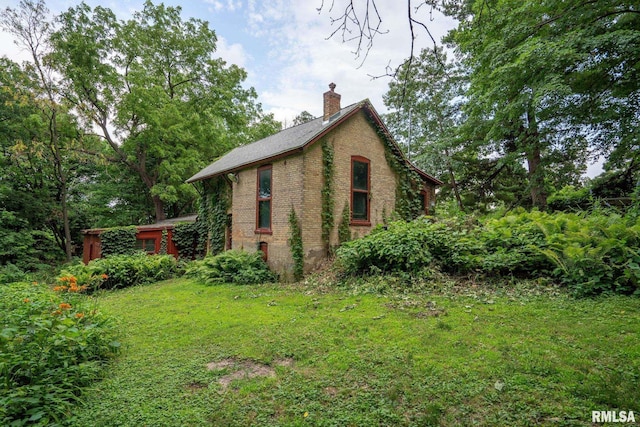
(332, 358)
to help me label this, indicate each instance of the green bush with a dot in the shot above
(10, 273)
(594, 254)
(121, 271)
(239, 267)
(570, 199)
(400, 247)
(51, 345)
(590, 254)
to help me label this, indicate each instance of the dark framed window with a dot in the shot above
(263, 200)
(147, 245)
(360, 190)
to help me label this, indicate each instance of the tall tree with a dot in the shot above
(426, 110)
(161, 102)
(551, 77)
(31, 27)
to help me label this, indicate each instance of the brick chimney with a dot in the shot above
(331, 102)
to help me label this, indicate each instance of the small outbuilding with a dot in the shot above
(148, 238)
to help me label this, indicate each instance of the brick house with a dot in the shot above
(273, 175)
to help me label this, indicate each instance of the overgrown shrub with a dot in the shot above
(590, 254)
(239, 267)
(121, 271)
(51, 345)
(10, 273)
(398, 248)
(594, 254)
(570, 199)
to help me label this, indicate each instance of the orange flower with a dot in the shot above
(59, 288)
(64, 306)
(26, 300)
(104, 276)
(56, 312)
(64, 279)
(79, 315)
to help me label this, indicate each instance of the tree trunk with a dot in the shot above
(68, 248)
(158, 205)
(534, 162)
(536, 177)
(61, 177)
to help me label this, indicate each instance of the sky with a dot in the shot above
(286, 48)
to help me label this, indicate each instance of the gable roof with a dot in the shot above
(292, 140)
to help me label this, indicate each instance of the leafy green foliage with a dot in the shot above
(295, 244)
(408, 185)
(594, 254)
(590, 254)
(121, 271)
(213, 216)
(51, 346)
(187, 239)
(396, 249)
(118, 241)
(233, 266)
(426, 103)
(328, 202)
(570, 198)
(344, 231)
(174, 105)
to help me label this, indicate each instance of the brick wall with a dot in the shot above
(298, 180)
(286, 191)
(356, 137)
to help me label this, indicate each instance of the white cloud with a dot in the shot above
(232, 53)
(304, 61)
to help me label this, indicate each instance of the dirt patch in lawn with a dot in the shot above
(240, 369)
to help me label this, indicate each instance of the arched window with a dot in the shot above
(360, 191)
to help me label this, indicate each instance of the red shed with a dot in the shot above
(148, 238)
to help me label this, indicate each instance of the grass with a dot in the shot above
(361, 360)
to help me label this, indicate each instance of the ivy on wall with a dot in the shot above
(344, 231)
(163, 242)
(212, 215)
(408, 201)
(328, 168)
(186, 237)
(295, 244)
(118, 241)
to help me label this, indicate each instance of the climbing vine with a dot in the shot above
(327, 192)
(163, 242)
(408, 201)
(295, 244)
(186, 237)
(344, 232)
(118, 241)
(212, 216)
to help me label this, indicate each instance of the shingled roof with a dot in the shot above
(289, 141)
